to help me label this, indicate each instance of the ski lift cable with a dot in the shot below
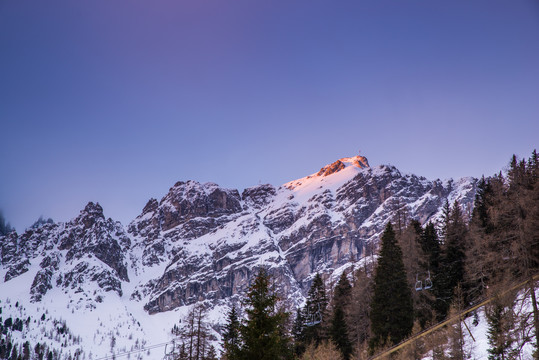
(126, 353)
(427, 331)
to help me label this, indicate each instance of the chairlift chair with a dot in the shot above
(418, 283)
(313, 321)
(428, 282)
(315, 316)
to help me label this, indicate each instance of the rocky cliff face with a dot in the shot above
(201, 242)
(209, 240)
(88, 250)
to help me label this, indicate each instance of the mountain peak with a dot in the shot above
(357, 161)
(90, 214)
(347, 168)
(93, 209)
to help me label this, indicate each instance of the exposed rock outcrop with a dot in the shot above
(201, 242)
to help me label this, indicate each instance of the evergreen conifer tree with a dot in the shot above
(314, 312)
(339, 327)
(231, 336)
(14, 353)
(499, 334)
(431, 247)
(339, 333)
(391, 308)
(264, 332)
(417, 266)
(341, 295)
(452, 260)
(298, 333)
(444, 221)
(212, 354)
(26, 351)
(430, 244)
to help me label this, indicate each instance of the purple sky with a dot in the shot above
(115, 101)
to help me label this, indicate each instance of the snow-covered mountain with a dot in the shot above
(97, 279)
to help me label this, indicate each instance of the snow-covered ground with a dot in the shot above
(122, 289)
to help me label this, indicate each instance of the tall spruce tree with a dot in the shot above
(314, 312)
(264, 332)
(431, 248)
(391, 308)
(231, 336)
(500, 333)
(430, 244)
(298, 333)
(452, 259)
(311, 320)
(416, 264)
(339, 328)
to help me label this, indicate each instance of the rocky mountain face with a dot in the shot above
(201, 242)
(88, 249)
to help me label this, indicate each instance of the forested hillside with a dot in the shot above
(413, 266)
(423, 274)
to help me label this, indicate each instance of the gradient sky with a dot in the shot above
(115, 100)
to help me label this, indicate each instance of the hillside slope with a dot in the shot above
(203, 243)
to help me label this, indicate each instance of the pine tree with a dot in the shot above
(298, 333)
(499, 334)
(341, 294)
(417, 266)
(314, 312)
(26, 351)
(264, 332)
(480, 215)
(444, 222)
(391, 308)
(430, 246)
(452, 260)
(339, 333)
(231, 336)
(339, 328)
(212, 354)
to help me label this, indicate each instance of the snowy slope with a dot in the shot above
(202, 243)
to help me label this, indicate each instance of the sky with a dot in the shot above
(115, 101)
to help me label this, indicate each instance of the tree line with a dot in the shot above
(424, 274)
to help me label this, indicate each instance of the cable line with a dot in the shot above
(459, 316)
(150, 347)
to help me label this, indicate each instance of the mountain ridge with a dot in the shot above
(203, 243)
